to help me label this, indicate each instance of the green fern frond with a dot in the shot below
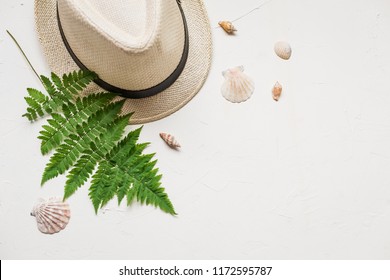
(59, 93)
(87, 135)
(35, 100)
(73, 146)
(61, 126)
(135, 177)
(71, 84)
(100, 182)
(114, 134)
(130, 191)
(123, 148)
(37, 95)
(57, 83)
(34, 105)
(49, 86)
(80, 173)
(85, 165)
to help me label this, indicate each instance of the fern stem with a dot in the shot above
(25, 56)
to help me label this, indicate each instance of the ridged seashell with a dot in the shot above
(52, 215)
(276, 91)
(283, 50)
(170, 140)
(227, 26)
(237, 86)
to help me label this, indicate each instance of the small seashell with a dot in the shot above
(237, 86)
(227, 26)
(276, 91)
(52, 215)
(170, 140)
(283, 50)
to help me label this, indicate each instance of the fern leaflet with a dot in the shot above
(59, 91)
(87, 134)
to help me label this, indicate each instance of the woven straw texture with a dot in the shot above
(150, 108)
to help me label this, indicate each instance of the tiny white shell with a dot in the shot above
(52, 215)
(170, 140)
(277, 91)
(283, 50)
(237, 87)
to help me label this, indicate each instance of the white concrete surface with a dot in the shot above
(305, 178)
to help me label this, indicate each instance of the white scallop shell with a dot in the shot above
(283, 49)
(237, 86)
(52, 215)
(170, 140)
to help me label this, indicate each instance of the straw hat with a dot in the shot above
(156, 53)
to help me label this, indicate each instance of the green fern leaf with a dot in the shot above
(56, 81)
(151, 193)
(85, 165)
(86, 107)
(80, 173)
(131, 193)
(67, 111)
(31, 114)
(34, 102)
(85, 134)
(37, 95)
(100, 180)
(68, 153)
(50, 89)
(114, 133)
(34, 106)
(126, 188)
(52, 137)
(134, 176)
(57, 97)
(62, 92)
(148, 182)
(123, 148)
(110, 189)
(74, 82)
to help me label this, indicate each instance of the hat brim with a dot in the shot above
(145, 109)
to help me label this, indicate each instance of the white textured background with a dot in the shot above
(305, 178)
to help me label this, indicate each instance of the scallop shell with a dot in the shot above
(170, 140)
(276, 91)
(283, 50)
(52, 215)
(227, 26)
(237, 87)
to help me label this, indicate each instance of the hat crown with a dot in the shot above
(132, 24)
(131, 44)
